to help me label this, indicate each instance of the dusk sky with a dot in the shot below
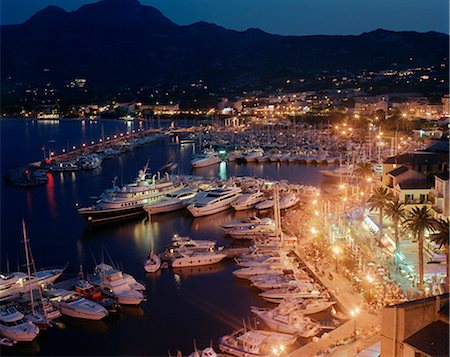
(286, 17)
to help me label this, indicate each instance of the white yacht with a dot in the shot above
(259, 261)
(258, 343)
(112, 283)
(192, 244)
(210, 158)
(266, 204)
(172, 201)
(252, 232)
(292, 322)
(129, 279)
(72, 304)
(276, 295)
(129, 200)
(253, 155)
(215, 201)
(306, 306)
(189, 258)
(288, 200)
(14, 326)
(15, 283)
(248, 200)
(246, 273)
(248, 222)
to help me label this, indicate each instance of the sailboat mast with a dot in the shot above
(25, 243)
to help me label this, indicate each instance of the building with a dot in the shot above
(423, 162)
(418, 328)
(446, 105)
(370, 105)
(441, 195)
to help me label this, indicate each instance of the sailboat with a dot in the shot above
(152, 263)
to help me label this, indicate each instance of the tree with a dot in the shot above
(363, 170)
(417, 221)
(378, 201)
(441, 237)
(395, 210)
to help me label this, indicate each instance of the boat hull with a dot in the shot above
(192, 262)
(93, 216)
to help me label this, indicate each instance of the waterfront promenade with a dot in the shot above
(367, 323)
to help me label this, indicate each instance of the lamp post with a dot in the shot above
(336, 251)
(354, 313)
(370, 280)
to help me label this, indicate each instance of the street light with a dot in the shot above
(370, 279)
(336, 251)
(354, 313)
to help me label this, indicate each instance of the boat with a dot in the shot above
(72, 304)
(306, 306)
(253, 155)
(243, 343)
(129, 200)
(14, 326)
(90, 292)
(263, 158)
(112, 283)
(152, 263)
(189, 258)
(248, 200)
(172, 201)
(210, 158)
(252, 232)
(248, 222)
(207, 352)
(129, 279)
(246, 273)
(16, 283)
(192, 244)
(90, 162)
(215, 201)
(291, 321)
(264, 205)
(288, 200)
(276, 295)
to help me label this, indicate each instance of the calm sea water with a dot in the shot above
(182, 305)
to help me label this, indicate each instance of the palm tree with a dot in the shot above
(378, 201)
(363, 170)
(441, 237)
(417, 221)
(395, 210)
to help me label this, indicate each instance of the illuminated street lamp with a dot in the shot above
(370, 279)
(336, 251)
(354, 313)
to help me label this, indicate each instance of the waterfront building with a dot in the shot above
(416, 328)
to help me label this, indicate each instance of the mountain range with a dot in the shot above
(122, 43)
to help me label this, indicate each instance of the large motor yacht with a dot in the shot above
(215, 201)
(253, 155)
(128, 201)
(15, 283)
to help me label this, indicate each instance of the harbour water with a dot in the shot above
(182, 305)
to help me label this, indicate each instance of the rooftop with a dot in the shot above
(416, 184)
(442, 175)
(398, 171)
(433, 339)
(418, 157)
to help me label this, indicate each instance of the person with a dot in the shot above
(330, 276)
